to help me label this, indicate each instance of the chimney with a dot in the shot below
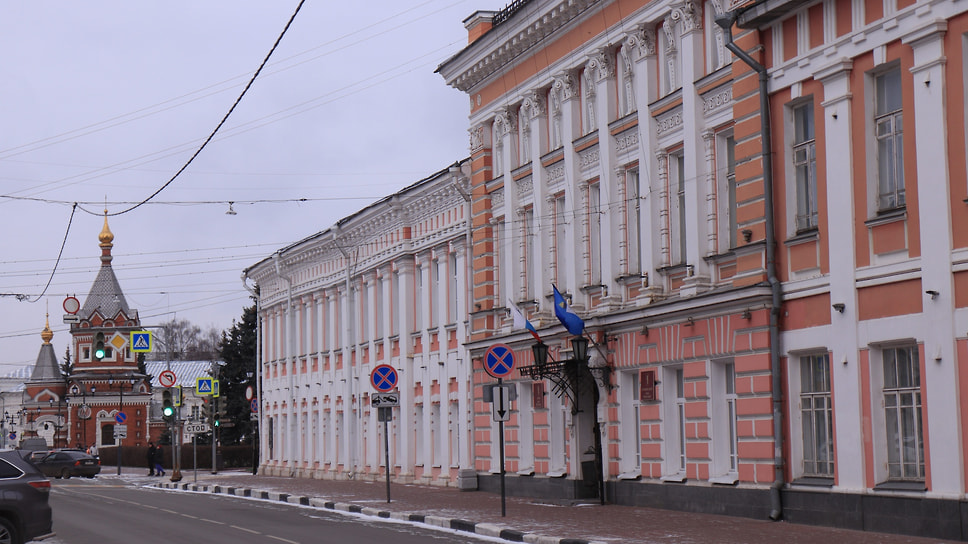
(478, 24)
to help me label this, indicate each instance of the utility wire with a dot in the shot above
(22, 297)
(222, 122)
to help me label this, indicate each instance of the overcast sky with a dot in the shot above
(106, 100)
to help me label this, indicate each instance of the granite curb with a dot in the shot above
(456, 524)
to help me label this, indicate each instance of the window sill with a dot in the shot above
(630, 476)
(557, 474)
(674, 478)
(814, 481)
(887, 216)
(526, 472)
(726, 479)
(897, 485)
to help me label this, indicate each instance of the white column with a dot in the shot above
(840, 218)
(941, 371)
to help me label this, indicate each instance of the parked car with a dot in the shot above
(25, 514)
(67, 463)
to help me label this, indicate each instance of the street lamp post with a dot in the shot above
(569, 378)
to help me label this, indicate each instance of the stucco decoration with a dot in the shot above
(690, 15)
(641, 42)
(600, 66)
(534, 104)
(565, 86)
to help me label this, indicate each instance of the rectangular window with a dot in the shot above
(729, 148)
(435, 288)
(559, 240)
(805, 165)
(816, 415)
(364, 312)
(681, 420)
(730, 398)
(418, 299)
(452, 293)
(394, 303)
(530, 268)
(379, 311)
(888, 130)
(633, 221)
(677, 219)
(902, 414)
(595, 232)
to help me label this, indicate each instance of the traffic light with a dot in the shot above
(167, 408)
(99, 350)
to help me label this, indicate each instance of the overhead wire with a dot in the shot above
(224, 118)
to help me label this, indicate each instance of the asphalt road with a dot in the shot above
(109, 512)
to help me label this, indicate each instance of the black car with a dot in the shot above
(67, 463)
(25, 514)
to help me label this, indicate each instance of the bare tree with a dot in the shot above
(181, 340)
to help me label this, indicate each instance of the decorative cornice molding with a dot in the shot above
(493, 55)
(600, 66)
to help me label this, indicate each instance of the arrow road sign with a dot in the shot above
(499, 360)
(501, 402)
(166, 378)
(384, 400)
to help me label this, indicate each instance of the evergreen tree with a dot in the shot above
(67, 367)
(238, 350)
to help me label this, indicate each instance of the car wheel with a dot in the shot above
(8, 533)
(66, 474)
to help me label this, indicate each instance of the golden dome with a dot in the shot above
(47, 334)
(106, 236)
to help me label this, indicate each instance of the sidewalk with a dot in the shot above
(530, 520)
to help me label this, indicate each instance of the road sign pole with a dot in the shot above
(500, 426)
(386, 448)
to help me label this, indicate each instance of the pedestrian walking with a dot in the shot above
(159, 457)
(150, 457)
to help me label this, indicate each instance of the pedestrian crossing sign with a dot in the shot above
(140, 341)
(203, 386)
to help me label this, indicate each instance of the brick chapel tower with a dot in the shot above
(105, 382)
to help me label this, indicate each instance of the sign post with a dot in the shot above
(499, 362)
(384, 379)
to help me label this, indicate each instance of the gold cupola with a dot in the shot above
(46, 335)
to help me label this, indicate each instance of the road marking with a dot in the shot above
(169, 511)
(282, 539)
(211, 521)
(245, 529)
(189, 516)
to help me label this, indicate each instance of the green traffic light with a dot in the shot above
(99, 353)
(168, 411)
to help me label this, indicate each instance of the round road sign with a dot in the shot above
(166, 378)
(249, 393)
(254, 405)
(71, 305)
(499, 360)
(383, 378)
(120, 417)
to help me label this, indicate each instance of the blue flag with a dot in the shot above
(568, 318)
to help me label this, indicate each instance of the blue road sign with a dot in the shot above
(120, 417)
(141, 341)
(254, 405)
(203, 386)
(383, 378)
(499, 360)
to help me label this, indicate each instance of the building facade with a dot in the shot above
(679, 170)
(384, 286)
